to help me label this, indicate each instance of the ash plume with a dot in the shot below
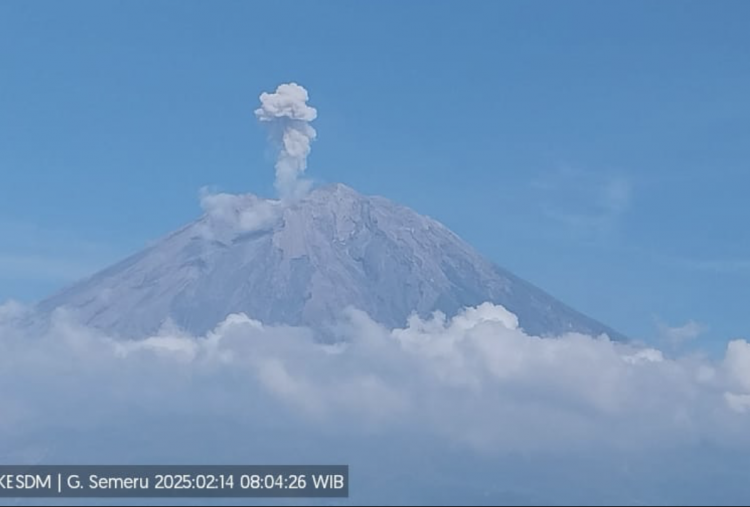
(289, 116)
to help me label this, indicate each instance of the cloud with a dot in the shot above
(588, 204)
(679, 335)
(476, 379)
(737, 364)
(289, 115)
(406, 402)
(12, 311)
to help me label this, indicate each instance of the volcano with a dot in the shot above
(333, 249)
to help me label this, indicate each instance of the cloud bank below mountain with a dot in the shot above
(475, 382)
(476, 378)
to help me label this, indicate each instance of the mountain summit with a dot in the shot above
(302, 264)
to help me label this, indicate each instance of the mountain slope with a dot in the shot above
(332, 249)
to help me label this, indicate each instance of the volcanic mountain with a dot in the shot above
(302, 265)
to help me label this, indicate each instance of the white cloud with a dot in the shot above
(474, 382)
(738, 402)
(589, 204)
(737, 364)
(452, 377)
(678, 335)
(12, 312)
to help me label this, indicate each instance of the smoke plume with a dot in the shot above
(289, 116)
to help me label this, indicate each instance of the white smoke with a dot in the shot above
(289, 115)
(230, 214)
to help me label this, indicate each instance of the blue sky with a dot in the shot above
(597, 149)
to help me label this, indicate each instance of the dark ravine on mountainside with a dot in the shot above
(333, 249)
